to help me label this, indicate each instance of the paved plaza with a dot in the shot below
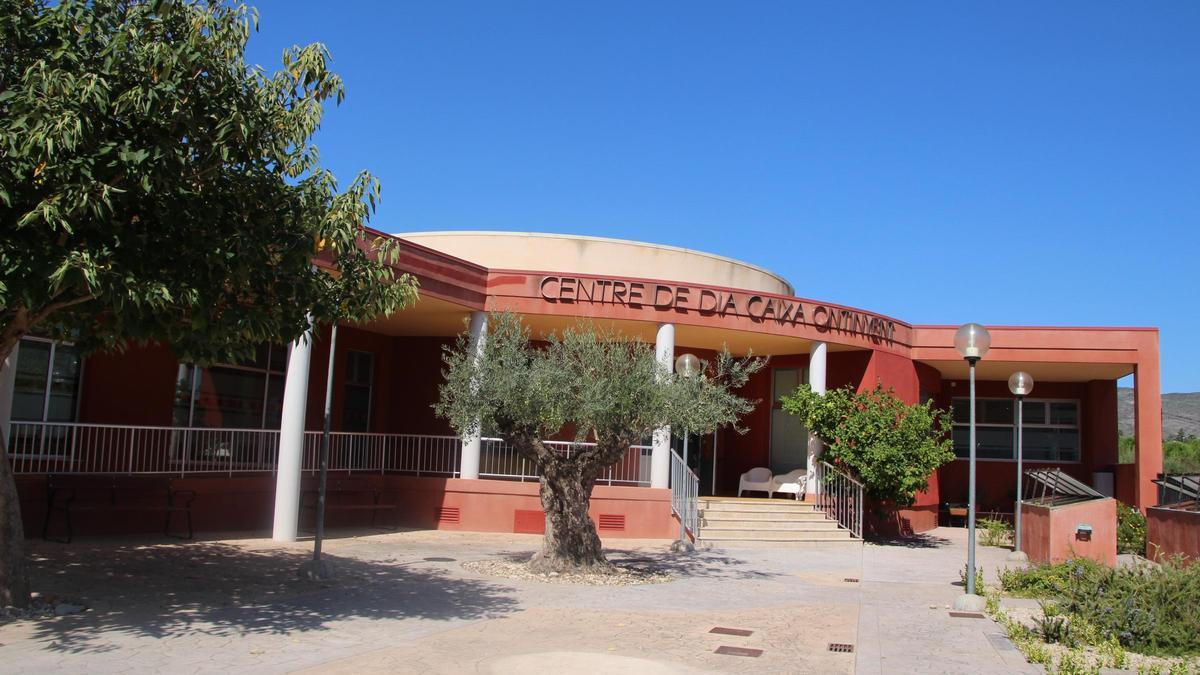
(402, 602)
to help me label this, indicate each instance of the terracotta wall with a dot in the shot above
(1170, 532)
(996, 480)
(136, 386)
(1049, 534)
(246, 503)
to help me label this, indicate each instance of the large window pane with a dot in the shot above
(29, 389)
(1064, 412)
(229, 398)
(785, 382)
(64, 385)
(994, 411)
(1034, 412)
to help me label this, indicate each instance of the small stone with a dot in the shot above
(65, 608)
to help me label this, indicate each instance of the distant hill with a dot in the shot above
(1180, 411)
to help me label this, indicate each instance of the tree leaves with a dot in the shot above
(891, 446)
(158, 188)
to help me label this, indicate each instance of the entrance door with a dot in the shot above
(789, 437)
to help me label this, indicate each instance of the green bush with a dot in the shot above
(1131, 530)
(1042, 581)
(1152, 609)
(996, 532)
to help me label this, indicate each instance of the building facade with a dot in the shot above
(243, 437)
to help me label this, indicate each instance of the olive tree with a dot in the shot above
(892, 446)
(588, 382)
(156, 188)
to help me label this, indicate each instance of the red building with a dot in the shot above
(217, 431)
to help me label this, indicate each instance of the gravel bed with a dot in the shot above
(512, 569)
(42, 607)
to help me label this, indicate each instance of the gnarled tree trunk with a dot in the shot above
(14, 577)
(570, 543)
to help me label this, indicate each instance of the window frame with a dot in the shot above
(49, 379)
(46, 394)
(265, 371)
(1077, 427)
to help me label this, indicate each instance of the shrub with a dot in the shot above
(1131, 530)
(996, 532)
(1152, 609)
(893, 447)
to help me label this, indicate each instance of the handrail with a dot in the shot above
(840, 496)
(685, 495)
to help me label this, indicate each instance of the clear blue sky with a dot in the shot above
(1007, 163)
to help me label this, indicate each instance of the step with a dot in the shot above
(761, 506)
(804, 543)
(731, 534)
(708, 524)
(766, 516)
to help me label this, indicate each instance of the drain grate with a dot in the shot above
(740, 632)
(438, 559)
(966, 615)
(850, 580)
(841, 647)
(738, 651)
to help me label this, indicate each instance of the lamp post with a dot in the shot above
(688, 366)
(972, 342)
(1020, 384)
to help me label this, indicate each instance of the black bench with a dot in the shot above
(76, 493)
(351, 493)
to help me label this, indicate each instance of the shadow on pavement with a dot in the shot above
(912, 541)
(164, 590)
(700, 564)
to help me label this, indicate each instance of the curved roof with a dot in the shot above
(600, 255)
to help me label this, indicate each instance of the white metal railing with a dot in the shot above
(51, 447)
(499, 459)
(840, 496)
(685, 495)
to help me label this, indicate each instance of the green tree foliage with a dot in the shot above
(893, 447)
(1131, 530)
(1181, 455)
(588, 382)
(154, 187)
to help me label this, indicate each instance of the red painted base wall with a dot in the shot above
(1048, 534)
(1170, 532)
(246, 503)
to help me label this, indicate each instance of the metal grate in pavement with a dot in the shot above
(740, 632)
(841, 647)
(966, 615)
(738, 651)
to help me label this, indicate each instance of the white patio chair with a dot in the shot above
(758, 478)
(794, 482)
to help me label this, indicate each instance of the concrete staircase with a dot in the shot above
(734, 522)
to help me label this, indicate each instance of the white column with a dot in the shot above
(291, 439)
(660, 456)
(816, 382)
(8, 379)
(469, 460)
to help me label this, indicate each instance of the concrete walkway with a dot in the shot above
(403, 602)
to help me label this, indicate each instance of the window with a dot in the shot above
(45, 390)
(1051, 429)
(46, 386)
(232, 396)
(356, 406)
